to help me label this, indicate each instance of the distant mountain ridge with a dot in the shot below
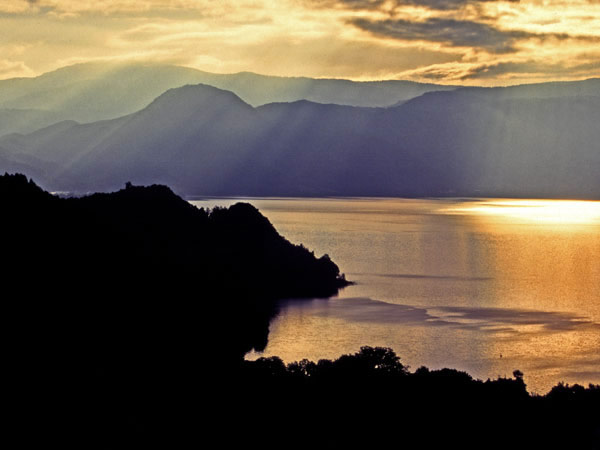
(93, 91)
(206, 141)
(90, 92)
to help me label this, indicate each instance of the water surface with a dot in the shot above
(482, 285)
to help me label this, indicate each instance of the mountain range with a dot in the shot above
(93, 91)
(524, 141)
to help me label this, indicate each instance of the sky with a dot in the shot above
(471, 42)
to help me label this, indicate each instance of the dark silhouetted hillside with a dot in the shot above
(112, 296)
(143, 240)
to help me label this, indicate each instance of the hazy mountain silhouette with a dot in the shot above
(98, 91)
(548, 90)
(27, 120)
(556, 89)
(205, 141)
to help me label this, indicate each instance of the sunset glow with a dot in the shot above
(451, 41)
(541, 211)
(312, 209)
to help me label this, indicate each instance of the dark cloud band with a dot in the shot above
(370, 5)
(502, 68)
(456, 33)
(509, 68)
(446, 4)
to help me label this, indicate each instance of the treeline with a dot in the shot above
(370, 398)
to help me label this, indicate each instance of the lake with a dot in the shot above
(482, 285)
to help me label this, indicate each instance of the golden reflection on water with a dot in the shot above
(543, 211)
(482, 285)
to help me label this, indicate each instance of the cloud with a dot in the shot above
(350, 4)
(452, 32)
(370, 5)
(486, 41)
(581, 66)
(10, 69)
(448, 4)
(103, 7)
(529, 67)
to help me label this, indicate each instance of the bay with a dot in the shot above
(482, 285)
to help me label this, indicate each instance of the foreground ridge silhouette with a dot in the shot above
(128, 314)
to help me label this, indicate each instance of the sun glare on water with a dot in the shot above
(567, 212)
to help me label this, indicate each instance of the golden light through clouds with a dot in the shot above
(479, 42)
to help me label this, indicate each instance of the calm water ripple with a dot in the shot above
(482, 285)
